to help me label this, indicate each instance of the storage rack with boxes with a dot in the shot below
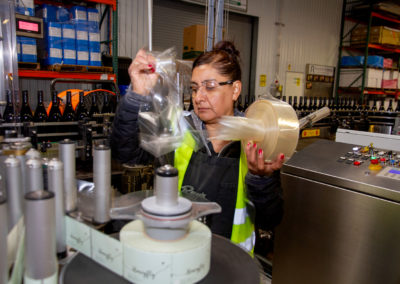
(369, 52)
(68, 52)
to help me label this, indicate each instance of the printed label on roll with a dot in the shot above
(83, 55)
(81, 35)
(28, 49)
(54, 31)
(55, 52)
(69, 33)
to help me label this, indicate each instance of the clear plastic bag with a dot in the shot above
(161, 120)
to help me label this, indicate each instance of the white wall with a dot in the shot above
(310, 34)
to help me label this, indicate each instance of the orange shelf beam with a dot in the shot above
(385, 48)
(377, 15)
(39, 74)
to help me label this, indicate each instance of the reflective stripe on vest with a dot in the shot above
(243, 228)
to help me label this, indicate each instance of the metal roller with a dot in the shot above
(3, 241)
(67, 157)
(102, 183)
(56, 185)
(34, 175)
(40, 238)
(15, 194)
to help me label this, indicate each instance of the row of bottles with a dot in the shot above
(40, 114)
(344, 106)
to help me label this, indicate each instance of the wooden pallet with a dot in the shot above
(99, 69)
(66, 68)
(29, 65)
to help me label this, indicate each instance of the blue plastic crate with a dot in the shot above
(78, 14)
(52, 33)
(93, 16)
(95, 58)
(62, 14)
(93, 33)
(82, 55)
(375, 61)
(54, 54)
(81, 35)
(28, 49)
(94, 46)
(68, 35)
(47, 12)
(69, 55)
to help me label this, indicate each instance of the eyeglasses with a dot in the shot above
(209, 85)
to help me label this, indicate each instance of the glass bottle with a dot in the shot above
(26, 112)
(291, 100)
(40, 111)
(81, 111)
(295, 107)
(69, 113)
(54, 114)
(8, 114)
(284, 98)
(94, 109)
(107, 106)
(397, 110)
(382, 107)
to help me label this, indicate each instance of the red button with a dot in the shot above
(357, 163)
(382, 159)
(374, 161)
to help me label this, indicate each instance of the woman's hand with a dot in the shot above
(142, 73)
(256, 162)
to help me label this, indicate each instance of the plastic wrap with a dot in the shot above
(269, 122)
(161, 120)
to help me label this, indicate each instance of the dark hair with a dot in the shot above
(224, 57)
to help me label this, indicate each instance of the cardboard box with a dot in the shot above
(373, 78)
(378, 34)
(194, 39)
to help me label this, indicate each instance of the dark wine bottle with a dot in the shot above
(382, 107)
(390, 107)
(310, 104)
(81, 111)
(284, 98)
(54, 114)
(94, 109)
(246, 102)
(69, 114)
(40, 112)
(26, 112)
(374, 109)
(320, 103)
(107, 107)
(295, 107)
(8, 114)
(291, 100)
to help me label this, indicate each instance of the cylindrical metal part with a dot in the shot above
(14, 189)
(56, 185)
(45, 165)
(166, 186)
(19, 150)
(40, 238)
(34, 175)
(102, 183)
(3, 241)
(67, 157)
(32, 153)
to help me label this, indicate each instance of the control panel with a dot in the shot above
(382, 163)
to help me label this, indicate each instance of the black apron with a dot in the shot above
(216, 176)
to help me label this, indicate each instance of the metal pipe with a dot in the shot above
(14, 190)
(56, 185)
(34, 175)
(166, 186)
(67, 157)
(3, 241)
(102, 183)
(40, 239)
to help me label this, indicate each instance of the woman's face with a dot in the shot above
(213, 94)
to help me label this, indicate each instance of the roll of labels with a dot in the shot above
(269, 122)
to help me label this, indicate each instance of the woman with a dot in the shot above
(237, 179)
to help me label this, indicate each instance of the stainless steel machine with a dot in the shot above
(341, 221)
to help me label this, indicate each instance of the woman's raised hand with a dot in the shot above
(256, 162)
(142, 73)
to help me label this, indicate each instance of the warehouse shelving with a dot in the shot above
(368, 17)
(43, 74)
